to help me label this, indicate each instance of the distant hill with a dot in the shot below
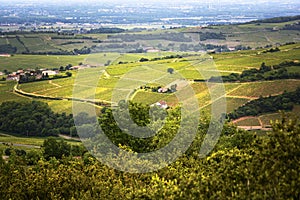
(277, 19)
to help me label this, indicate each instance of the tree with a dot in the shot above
(264, 68)
(170, 70)
(173, 88)
(32, 157)
(68, 66)
(53, 148)
(69, 74)
(144, 59)
(62, 68)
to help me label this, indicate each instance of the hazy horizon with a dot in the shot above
(153, 1)
(173, 13)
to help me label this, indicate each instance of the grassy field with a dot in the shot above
(258, 34)
(38, 61)
(233, 103)
(253, 121)
(6, 92)
(266, 119)
(239, 61)
(52, 61)
(26, 143)
(34, 141)
(265, 88)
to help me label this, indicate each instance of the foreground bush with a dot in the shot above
(243, 166)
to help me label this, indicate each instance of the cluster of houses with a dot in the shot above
(37, 74)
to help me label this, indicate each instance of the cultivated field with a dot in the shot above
(102, 81)
(127, 73)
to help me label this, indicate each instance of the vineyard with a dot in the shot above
(133, 70)
(103, 80)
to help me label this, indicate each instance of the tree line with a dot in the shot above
(34, 118)
(8, 48)
(277, 19)
(27, 78)
(211, 35)
(83, 50)
(177, 37)
(269, 104)
(105, 30)
(265, 72)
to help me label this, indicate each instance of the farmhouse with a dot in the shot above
(13, 77)
(5, 55)
(162, 90)
(231, 48)
(151, 50)
(49, 72)
(161, 104)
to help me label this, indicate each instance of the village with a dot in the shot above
(30, 75)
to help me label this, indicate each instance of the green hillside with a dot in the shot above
(138, 71)
(155, 73)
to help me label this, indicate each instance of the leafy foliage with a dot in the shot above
(242, 166)
(53, 148)
(33, 119)
(211, 35)
(7, 48)
(106, 30)
(263, 73)
(140, 115)
(269, 104)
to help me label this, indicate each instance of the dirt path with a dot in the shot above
(33, 95)
(131, 97)
(228, 71)
(175, 60)
(234, 89)
(260, 122)
(50, 82)
(242, 97)
(242, 119)
(106, 74)
(21, 145)
(268, 39)
(14, 92)
(69, 138)
(249, 128)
